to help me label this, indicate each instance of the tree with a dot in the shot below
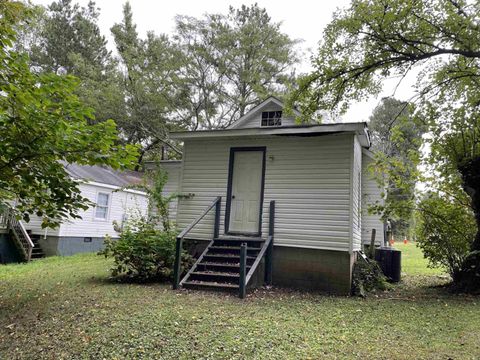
(27, 29)
(261, 56)
(42, 124)
(373, 40)
(445, 228)
(232, 62)
(70, 30)
(396, 137)
(203, 100)
(149, 73)
(65, 38)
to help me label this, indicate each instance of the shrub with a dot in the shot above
(143, 253)
(367, 276)
(445, 230)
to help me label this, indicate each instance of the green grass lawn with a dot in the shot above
(413, 262)
(65, 308)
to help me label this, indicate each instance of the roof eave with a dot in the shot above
(358, 128)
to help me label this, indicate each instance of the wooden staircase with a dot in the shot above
(219, 266)
(18, 234)
(228, 262)
(37, 251)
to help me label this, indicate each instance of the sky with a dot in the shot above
(302, 19)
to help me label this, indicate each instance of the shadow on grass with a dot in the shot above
(127, 280)
(423, 287)
(411, 288)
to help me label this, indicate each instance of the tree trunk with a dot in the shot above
(469, 279)
(471, 184)
(139, 160)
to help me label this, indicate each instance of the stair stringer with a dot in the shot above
(199, 260)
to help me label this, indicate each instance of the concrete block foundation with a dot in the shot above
(313, 269)
(70, 245)
(299, 268)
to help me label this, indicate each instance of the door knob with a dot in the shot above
(233, 196)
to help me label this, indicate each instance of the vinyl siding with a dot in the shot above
(308, 177)
(356, 195)
(35, 226)
(120, 203)
(174, 170)
(371, 194)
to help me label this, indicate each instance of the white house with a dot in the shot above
(106, 188)
(103, 186)
(316, 176)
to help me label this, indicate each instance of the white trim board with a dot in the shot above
(113, 187)
(358, 128)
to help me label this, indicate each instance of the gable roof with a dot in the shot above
(358, 128)
(259, 107)
(103, 175)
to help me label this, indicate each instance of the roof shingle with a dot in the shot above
(103, 174)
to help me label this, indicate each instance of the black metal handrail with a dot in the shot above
(243, 271)
(267, 251)
(177, 271)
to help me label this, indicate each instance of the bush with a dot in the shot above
(144, 253)
(445, 231)
(367, 276)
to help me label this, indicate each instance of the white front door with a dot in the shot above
(246, 192)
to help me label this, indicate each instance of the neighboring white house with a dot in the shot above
(314, 173)
(105, 187)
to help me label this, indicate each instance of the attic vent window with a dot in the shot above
(271, 118)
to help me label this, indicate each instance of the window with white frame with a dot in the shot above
(101, 209)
